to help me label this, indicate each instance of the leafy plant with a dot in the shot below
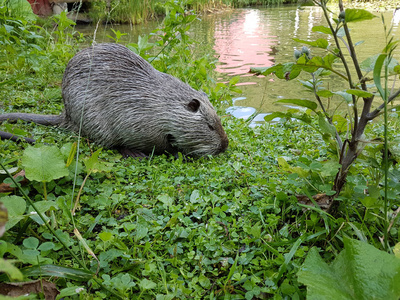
(360, 271)
(345, 136)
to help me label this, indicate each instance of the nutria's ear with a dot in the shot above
(193, 105)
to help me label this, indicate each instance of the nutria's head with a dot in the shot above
(198, 130)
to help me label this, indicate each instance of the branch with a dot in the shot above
(353, 53)
(377, 111)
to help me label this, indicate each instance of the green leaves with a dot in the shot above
(357, 15)
(368, 64)
(6, 266)
(359, 93)
(359, 272)
(325, 126)
(94, 165)
(16, 207)
(322, 29)
(320, 43)
(43, 163)
(58, 271)
(377, 75)
(300, 102)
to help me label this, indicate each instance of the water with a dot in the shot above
(260, 37)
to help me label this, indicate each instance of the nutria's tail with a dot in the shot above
(9, 136)
(38, 119)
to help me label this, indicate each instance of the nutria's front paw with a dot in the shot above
(126, 152)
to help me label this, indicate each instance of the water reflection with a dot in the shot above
(259, 37)
(245, 38)
(243, 42)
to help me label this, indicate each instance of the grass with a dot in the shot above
(137, 12)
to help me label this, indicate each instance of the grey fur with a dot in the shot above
(118, 99)
(39, 119)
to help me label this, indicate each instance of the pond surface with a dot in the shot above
(259, 37)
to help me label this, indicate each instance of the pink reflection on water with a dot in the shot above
(244, 42)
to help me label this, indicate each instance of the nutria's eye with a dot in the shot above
(193, 105)
(211, 127)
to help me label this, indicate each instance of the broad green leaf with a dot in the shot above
(296, 170)
(70, 291)
(322, 29)
(300, 102)
(44, 206)
(396, 69)
(204, 281)
(315, 166)
(263, 70)
(396, 250)
(16, 207)
(320, 43)
(357, 15)
(320, 280)
(340, 123)
(325, 93)
(46, 246)
(31, 242)
(274, 115)
(305, 64)
(368, 64)
(317, 62)
(359, 93)
(94, 165)
(330, 168)
(6, 266)
(22, 9)
(360, 271)
(195, 197)
(167, 200)
(345, 96)
(325, 126)
(341, 32)
(377, 74)
(147, 284)
(57, 271)
(35, 217)
(43, 163)
(294, 72)
(282, 71)
(283, 164)
(234, 80)
(369, 202)
(106, 236)
(141, 229)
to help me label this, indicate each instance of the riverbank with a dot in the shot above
(376, 5)
(138, 12)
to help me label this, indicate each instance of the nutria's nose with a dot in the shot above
(224, 143)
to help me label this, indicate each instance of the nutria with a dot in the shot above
(117, 99)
